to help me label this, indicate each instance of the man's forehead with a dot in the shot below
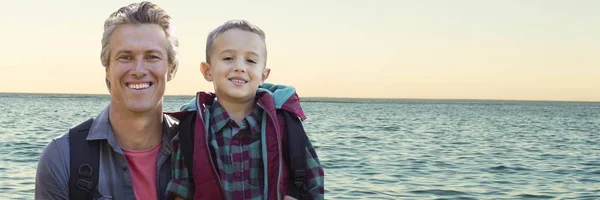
(134, 38)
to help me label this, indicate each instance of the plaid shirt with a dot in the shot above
(239, 158)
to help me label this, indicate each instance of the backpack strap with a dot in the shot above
(186, 140)
(297, 154)
(84, 158)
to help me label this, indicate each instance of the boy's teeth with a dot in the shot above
(238, 81)
(139, 86)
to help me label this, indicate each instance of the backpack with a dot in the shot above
(85, 155)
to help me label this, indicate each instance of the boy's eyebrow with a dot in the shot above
(231, 50)
(253, 53)
(227, 51)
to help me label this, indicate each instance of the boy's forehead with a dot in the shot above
(239, 40)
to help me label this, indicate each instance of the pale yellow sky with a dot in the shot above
(524, 50)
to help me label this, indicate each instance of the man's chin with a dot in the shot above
(142, 109)
(143, 105)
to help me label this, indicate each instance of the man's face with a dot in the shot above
(138, 68)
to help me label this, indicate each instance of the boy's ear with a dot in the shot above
(265, 75)
(205, 69)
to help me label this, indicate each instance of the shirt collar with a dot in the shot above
(219, 118)
(102, 130)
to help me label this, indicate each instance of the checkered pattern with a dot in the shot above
(239, 159)
(238, 149)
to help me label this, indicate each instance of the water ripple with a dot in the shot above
(380, 149)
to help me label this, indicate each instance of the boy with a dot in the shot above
(239, 132)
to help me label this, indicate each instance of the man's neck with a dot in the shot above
(136, 131)
(237, 110)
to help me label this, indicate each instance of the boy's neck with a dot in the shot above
(237, 110)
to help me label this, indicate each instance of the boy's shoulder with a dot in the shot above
(189, 106)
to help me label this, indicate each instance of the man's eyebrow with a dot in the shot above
(154, 51)
(123, 51)
(147, 51)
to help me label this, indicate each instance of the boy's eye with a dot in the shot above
(251, 61)
(228, 58)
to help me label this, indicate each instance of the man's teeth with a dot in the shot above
(139, 86)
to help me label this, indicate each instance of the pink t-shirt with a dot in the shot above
(142, 166)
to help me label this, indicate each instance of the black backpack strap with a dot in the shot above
(186, 140)
(84, 158)
(297, 154)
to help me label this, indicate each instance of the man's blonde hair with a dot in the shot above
(141, 13)
(231, 24)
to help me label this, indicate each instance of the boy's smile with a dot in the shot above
(238, 81)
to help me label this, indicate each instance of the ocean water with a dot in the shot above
(379, 149)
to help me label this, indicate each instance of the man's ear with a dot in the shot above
(170, 74)
(205, 69)
(106, 78)
(265, 75)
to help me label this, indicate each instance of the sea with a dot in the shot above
(378, 148)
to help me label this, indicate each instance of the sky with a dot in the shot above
(426, 49)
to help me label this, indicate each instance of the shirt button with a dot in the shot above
(236, 142)
(238, 174)
(124, 168)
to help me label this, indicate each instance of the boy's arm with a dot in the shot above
(315, 176)
(180, 184)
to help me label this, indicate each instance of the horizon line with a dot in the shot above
(351, 98)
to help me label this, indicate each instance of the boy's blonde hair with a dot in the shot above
(231, 24)
(141, 13)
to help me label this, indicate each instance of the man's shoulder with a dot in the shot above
(57, 149)
(52, 174)
(56, 154)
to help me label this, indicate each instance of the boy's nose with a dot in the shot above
(239, 66)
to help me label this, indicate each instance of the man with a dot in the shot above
(139, 52)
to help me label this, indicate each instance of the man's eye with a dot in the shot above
(152, 57)
(251, 61)
(228, 58)
(125, 58)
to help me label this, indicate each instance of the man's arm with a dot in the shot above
(52, 175)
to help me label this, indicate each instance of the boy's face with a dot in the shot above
(237, 65)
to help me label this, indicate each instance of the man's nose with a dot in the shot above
(139, 70)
